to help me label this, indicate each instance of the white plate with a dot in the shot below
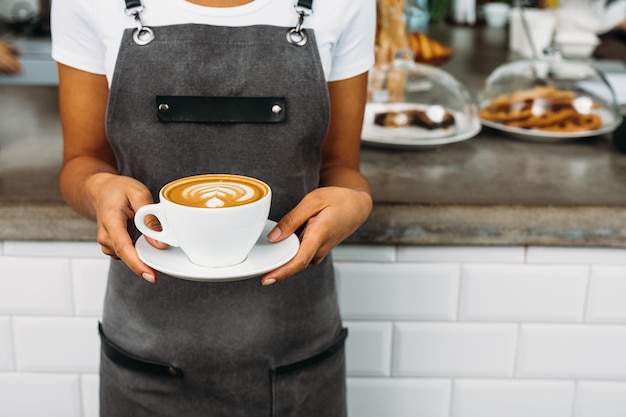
(264, 257)
(414, 137)
(609, 124)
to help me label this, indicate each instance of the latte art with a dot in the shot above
(215, 191)
(220, 194)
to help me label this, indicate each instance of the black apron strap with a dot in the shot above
(132, 4)
(305, 4)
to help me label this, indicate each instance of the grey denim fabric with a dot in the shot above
(225, 337)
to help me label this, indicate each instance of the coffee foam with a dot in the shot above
(215, 191)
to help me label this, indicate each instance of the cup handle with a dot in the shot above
(156, 210)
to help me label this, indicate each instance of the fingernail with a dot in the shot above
(274, 234)
(148, 277)
(269, 281)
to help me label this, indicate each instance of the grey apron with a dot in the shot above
(184, 348)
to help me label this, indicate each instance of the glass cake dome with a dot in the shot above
(417, 106)
(548, 99)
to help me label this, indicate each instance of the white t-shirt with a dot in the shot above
(86, 33)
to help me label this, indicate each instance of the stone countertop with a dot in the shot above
(489, 190)
(38, 68)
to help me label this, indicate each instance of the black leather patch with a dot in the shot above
(205, 109)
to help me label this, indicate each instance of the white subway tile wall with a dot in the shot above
(7, 362)
(89, 384)
(512, 398)
(454, 349)
(368, 349)
(607, 292)
(434, 331)
(56, 344)
(35, 286)
(542, 293)
(399, 397)
(469, 254)
(39, 394)
(600, 399)
(89, 278)
(572, 351)
(375, 291)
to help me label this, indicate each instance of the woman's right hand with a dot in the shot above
(89, 181)
(116, 199)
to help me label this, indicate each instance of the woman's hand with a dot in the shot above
(116, 199)
(89, 181)
(343, 202)
(9, 64)
(331, 214)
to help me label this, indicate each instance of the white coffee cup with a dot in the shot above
(215, 219)
(496, 14)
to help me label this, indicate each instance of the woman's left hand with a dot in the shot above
(335, 210)
(330, 214)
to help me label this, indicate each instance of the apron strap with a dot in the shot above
(132, 4)
(296, 35)
(143, 35)
(305, 4)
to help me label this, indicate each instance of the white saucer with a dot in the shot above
(265, 256)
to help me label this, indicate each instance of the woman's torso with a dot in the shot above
(88, 37)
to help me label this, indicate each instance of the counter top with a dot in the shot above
(489, 190)
(38, 68)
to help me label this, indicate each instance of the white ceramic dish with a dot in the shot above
(576, 44)
(414, 137)
(265, 256)
(609, 124)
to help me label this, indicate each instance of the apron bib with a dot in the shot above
(185, 348)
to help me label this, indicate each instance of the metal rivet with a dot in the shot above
(276, 109)
(163, 107)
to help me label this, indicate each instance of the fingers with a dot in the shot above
(116, 242)
(293, 220)
(304, 257)
(331, 214)
(288, 225)
(312, 250)
(151, 221)
(115, 209)
(156, 243)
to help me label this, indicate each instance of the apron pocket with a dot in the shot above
(312, 387)
(127, 360)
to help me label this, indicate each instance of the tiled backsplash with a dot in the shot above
(434, 331)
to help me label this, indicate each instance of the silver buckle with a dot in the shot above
(142, 35)
(297, 36)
